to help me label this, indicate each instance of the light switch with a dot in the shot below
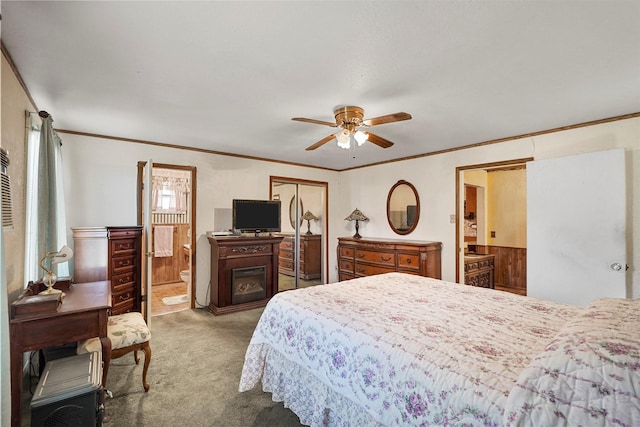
(493, 234)
(452, 218)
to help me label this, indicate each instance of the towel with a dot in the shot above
(163, 241)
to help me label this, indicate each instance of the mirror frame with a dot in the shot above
(415, 193)
(292, 212)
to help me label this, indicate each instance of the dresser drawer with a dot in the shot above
(346, 252)
(122, 264)
(123, 247)
(121, 282)
(286, 244)
(122, 302)
(346, 265)
(286, 263)
(383, 258)
(370, 270)
(409, 261)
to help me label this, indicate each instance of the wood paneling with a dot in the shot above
(510, 273)
(167, 269)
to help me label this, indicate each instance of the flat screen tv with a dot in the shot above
(256, 216)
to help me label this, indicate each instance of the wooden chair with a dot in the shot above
(128, 332)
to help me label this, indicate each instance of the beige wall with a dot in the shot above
(507, 208)
(14, 105)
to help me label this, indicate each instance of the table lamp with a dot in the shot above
(356, 216)
(308, 216)
(49, 279)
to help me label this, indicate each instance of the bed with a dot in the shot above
(399, 349)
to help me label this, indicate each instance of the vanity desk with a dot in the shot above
(37, 323)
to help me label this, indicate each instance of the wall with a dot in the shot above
(100, 187)
(14, 105)
(434, 179)
(507, 208)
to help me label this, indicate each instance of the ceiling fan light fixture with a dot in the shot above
(343, 139)
(361, 137)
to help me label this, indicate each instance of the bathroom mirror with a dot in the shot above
(292, 212)
(403, 207)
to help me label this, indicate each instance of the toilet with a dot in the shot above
(184, 276)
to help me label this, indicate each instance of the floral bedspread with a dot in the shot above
(398, 349)
(588, 375)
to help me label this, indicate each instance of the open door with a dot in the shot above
(576, 212)
(146, 242)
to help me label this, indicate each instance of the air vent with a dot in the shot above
(7, 205)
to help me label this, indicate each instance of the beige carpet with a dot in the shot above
(194, 375)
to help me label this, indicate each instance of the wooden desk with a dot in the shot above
(83, 314)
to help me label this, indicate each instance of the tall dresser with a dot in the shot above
(366, 257)
(110, 253)
(310, 255)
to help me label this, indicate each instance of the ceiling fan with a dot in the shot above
(350, 119)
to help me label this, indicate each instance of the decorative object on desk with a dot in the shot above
(308, 216)
(49, 279)
(356, 216)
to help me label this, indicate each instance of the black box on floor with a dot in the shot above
(69, 392)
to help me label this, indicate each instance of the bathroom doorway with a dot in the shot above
(173, 201)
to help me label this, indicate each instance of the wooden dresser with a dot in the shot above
(310, 255)
(366, 257)
(478, 270)
(110, 253)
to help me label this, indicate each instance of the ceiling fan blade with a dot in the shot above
(318, 122)
(379, 141)
(320, 143)
(389, 118)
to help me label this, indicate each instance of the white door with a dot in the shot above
(146, 237)
(576, 217)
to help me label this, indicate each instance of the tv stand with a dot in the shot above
(244, 272)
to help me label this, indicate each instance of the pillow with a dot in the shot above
(589, 374)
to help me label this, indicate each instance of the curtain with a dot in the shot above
(5, 380)
(46, 215)
(169, 194)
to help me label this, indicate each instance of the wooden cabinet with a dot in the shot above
(239, 266)
(478, 271)
(366, 257)
(310, 256)
(114, 254)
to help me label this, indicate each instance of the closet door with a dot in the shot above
(576, 222)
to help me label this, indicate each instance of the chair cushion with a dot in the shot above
(124, 330)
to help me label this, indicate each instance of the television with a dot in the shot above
(256, 216)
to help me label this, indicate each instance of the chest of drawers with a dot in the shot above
(310, 256)
(366, 257)
(478, 270)
(114, 254)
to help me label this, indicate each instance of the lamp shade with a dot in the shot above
(308, 216)
(356, 215)
(63, 255)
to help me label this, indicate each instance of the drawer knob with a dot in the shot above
(124, 297)
(385, 259)
(408, 260)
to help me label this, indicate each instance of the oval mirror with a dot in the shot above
(292, 212)
(403, 207)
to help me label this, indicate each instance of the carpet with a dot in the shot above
(177, 299)
(194, 374)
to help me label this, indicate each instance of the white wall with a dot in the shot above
(434, 179)
(101, 178)
(100, 187)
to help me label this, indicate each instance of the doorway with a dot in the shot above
(304, 222)
(491, 226)
(173, 201)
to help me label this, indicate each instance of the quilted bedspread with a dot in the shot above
(589, 374)
(398, 349)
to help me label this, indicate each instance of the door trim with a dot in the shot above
(193, 171)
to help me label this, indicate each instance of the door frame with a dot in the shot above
(325, 185)
(139, 196)
(460, 203)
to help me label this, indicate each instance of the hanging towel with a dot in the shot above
(163, 241)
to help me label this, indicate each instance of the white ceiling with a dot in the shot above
(229, 76)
